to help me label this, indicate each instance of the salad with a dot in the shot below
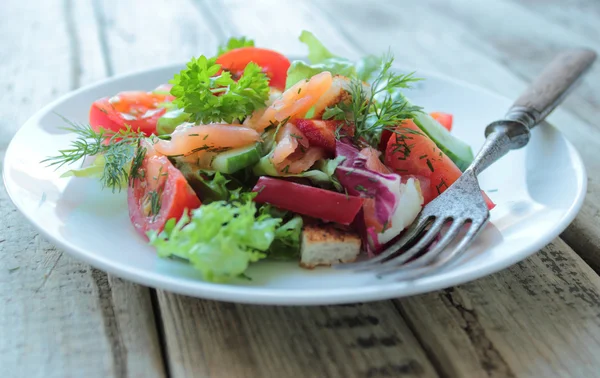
(248, 155)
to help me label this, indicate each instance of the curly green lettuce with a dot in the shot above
(321, 59)
(286, 245)
(219, 239)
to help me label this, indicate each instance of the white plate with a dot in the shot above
(538, 191)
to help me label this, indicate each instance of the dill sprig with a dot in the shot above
(122, 151)
(155, 202)
(378, 107)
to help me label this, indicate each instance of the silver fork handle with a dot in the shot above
(539, 99)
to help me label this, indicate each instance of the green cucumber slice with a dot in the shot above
(236, 159)
(457, 150)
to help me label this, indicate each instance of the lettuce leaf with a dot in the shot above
(286, 244)
(219, 239)
(300, 70)
(321, 59)
(213, 186)
(235, 43)
(209, 185)
(317, 52)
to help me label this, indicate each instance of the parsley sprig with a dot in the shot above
(209, 96)
(122, 151)
(378, 107)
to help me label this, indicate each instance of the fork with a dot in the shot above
(462, 206)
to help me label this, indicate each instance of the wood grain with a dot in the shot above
(214, 339)
(539, 318)
(579, 16)
(132, 45)
(59, 317)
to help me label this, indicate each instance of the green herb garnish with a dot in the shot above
(211, 97)
(430, 165)
(379, 107)
(121, 151)
(154, 198)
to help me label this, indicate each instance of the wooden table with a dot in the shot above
(62, 318)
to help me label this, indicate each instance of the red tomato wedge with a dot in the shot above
(273, 63)
(159, 194)
(416, 154)
(136, 109)
(445, 119)
(307, 200)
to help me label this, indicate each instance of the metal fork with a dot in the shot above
(462, 206)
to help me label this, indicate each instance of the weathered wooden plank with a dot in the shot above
(279, 24)
(214, 339)
(539, 318)
(59, 317)
(580, 16)
(160, 33)
(527, 40)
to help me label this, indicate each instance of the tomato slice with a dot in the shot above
(137, 109)
(416, 154)
(308, 200)
(158, 194)
(445, 119)
(273, 63)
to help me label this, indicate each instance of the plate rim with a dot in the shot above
(269, 296)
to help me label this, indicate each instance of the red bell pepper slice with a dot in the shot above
(308, 200)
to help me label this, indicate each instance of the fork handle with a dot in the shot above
(539, 99)
(551, 86)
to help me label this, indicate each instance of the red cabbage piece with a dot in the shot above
(397, 200)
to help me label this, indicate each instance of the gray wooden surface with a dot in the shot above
(62, 318)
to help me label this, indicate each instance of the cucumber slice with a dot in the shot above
(239, 158)
(170, 120)
(457, 150)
